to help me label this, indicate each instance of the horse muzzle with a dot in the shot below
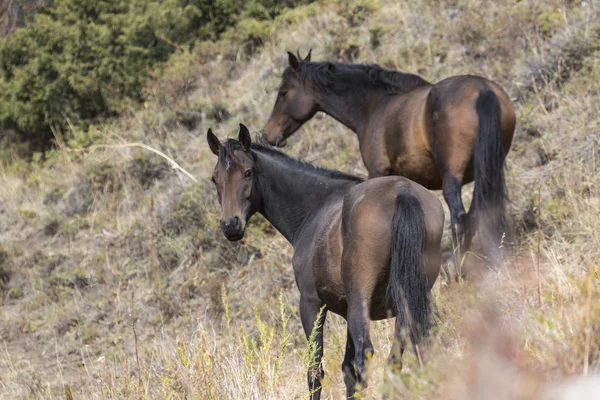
(276, 135)
(279, 141)
(233, 229)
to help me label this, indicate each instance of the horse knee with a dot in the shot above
(458, 219)
(461, 215)
(395, 362)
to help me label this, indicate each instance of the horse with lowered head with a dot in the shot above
(441, 135)
(365, 250)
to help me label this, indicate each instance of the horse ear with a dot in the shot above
(213, 142)
(244, 137)
(294, 64)
(307, 58)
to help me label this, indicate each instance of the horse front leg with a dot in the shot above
(313, 320)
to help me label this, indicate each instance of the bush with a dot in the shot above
(81, 59)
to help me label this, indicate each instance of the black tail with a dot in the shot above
(407, 285)
(488, 209)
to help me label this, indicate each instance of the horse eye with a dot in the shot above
(248, 173)
(283, 93)
(213, 180)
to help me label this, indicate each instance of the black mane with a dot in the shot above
(231, 145)
(341, 78)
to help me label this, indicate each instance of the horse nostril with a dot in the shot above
(233, 224)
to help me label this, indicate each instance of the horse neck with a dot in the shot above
(353, 109)
(292, 196)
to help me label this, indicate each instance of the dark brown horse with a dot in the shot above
(364, 250)
(441, 135)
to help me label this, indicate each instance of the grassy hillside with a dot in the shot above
(116, 282)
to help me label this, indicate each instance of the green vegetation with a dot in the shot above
(76, 61)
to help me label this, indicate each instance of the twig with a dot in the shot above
(539, 226)
(58, 364)
(537, 95)
(58, 137)
(84, 363)
(137, 356)
(588, 329)
(153, 252)
(172, 43)
(593, 157)
(174, 164)
(418, 351)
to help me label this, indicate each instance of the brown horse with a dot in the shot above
(441, 135)
(363, 250)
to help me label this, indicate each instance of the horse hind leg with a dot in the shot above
(363, 260)
(398, 347)
(395, 359)
(461, 236)
(359, 349)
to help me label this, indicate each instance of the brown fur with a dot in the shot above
(341, 230)
(405, 125)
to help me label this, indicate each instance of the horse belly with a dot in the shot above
(408, 145)
(419, 167)
(327, 271)
(333, 297)
(381, 306)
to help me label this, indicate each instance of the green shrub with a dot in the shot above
(79, 60)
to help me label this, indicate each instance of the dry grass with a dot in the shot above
(95, 244)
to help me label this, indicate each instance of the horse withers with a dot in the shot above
(441, 135)
(365, 250)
